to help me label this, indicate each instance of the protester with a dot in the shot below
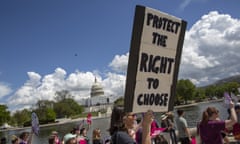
(25, 138)
(210, 126)
(122, 121)
(76, 131)
(51, 139)
(96, 136)
(236, 126)
(3, 140)
(89, 118)
(154, 126)
(15, 139)
(118, 130)
(70, 139)
(182, 126)
(54, 135)
(167, 122)
(83, 139)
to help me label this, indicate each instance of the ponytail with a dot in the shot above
(207, 114)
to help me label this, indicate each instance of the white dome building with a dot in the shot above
(97, 89)
(97, 95)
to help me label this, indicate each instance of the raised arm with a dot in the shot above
(233, 116)
(146, 126)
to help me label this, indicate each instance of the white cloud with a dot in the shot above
(27, 94)
(4, 90)
(77, 83)
(211, 49)
(119, 63)
(114, 84)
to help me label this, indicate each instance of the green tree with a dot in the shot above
(22, 116)
(4, 114)
(51, 115)
(45, 111)
(119, 101)
(219, 90)
(199, 94)
(210, 91)
(185, 90)
(45, 115)
(232, 87)
(67, 107)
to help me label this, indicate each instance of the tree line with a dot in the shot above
(47, 111)
(187, 91)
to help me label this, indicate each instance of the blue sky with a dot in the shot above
(47, 46)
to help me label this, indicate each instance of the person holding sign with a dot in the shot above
(236, 126)
(168, 123)
(89, 118)
(122, 122)
(26, 138)
(210, 126)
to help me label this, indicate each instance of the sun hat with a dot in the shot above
(68, 136)
(54, 133)
(163, 117)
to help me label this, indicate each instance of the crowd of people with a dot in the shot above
(125, 129)
(145, 128)
(23, 138)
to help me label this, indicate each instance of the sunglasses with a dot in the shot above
(131, 115)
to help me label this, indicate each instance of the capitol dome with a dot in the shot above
(97, 89)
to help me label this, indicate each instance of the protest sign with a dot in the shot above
(35, 123)
(155, 52)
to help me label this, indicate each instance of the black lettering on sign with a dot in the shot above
(159, 40)
(152, 83)
(153, 99)
(162, 23)
(156, 64)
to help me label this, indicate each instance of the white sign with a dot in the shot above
(154, 60)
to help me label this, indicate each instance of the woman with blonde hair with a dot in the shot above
(96, 136)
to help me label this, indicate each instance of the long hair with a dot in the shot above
(117, 119)
(207, 114)
(96, 133)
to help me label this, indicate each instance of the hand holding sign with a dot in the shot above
(227, 99)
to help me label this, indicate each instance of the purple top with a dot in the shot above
(210, 133)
